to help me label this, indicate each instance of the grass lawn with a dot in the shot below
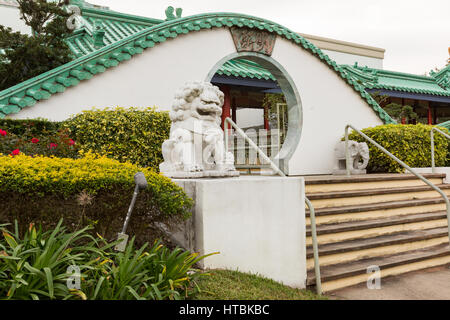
(234, 285)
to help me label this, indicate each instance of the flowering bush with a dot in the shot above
(53, 143)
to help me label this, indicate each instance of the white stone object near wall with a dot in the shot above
(359, 157)
(256, 223)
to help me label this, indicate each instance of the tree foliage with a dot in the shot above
(399, 112)
(25, 56)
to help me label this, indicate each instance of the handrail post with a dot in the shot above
(432, 145)
(432, 150)
(347, 155)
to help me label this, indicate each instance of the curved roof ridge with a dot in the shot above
(13, 99)
(398, 81)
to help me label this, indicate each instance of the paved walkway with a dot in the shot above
(430, 284)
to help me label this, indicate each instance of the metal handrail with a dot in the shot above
(312, 218)
(312, 215)
(432, 145)
(404, 165)
(273, 166)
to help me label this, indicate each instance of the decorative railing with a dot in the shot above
(246, 157)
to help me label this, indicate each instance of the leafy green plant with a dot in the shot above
(44, 189)
(399, 112)
(26, 56)
(36, 266)
(409, 143)
(30, 128)
(132, 134)
(155, 274)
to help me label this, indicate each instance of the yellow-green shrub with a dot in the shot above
(93, 189)
(410, 143)
(132, 134)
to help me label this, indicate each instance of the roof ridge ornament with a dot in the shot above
(98, 34)
(170, 13)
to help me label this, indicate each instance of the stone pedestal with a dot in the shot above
(256, 223)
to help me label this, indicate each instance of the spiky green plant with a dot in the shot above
(36, 266)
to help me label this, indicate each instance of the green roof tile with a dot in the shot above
(397, 81)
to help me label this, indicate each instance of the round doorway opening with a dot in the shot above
(262, 100)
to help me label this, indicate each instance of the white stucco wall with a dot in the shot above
(10, 17)
(348, 58)
(152, 78)
(257, 224)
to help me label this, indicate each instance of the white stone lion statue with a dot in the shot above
(195, 147)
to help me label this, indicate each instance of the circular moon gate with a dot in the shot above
(290, 92)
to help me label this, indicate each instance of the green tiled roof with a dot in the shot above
(389, 80)
(117, 26)
(445, 124)
(91, 60)
(245, 69)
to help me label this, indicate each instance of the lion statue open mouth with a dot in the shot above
(195, 147)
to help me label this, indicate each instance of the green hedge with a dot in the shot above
(134, 135)
(30, 128)
(91, 190)
(409, 143)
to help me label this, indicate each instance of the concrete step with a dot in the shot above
(341, 275)
(329, 183)
(372, 196)
(337, 232)
(376, 210)
(351, 250)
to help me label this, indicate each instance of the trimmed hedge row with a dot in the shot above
(132, 134)
(409, 143)
(92, 190)
(30, 128)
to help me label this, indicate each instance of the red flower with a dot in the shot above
(3, 132)
(71, 142)
(34, 140)
(15, 152)
(53, 145)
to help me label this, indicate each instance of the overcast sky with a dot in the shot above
(414, 33)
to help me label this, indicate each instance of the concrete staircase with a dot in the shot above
(393, 221)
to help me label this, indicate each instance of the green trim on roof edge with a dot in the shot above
(372, 78)
(123, 50)
(445, 124)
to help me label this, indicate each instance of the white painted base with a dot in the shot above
(201, 174)
(256, 223)
(445, 170)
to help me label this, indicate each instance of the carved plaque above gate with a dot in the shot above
(253, 40)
